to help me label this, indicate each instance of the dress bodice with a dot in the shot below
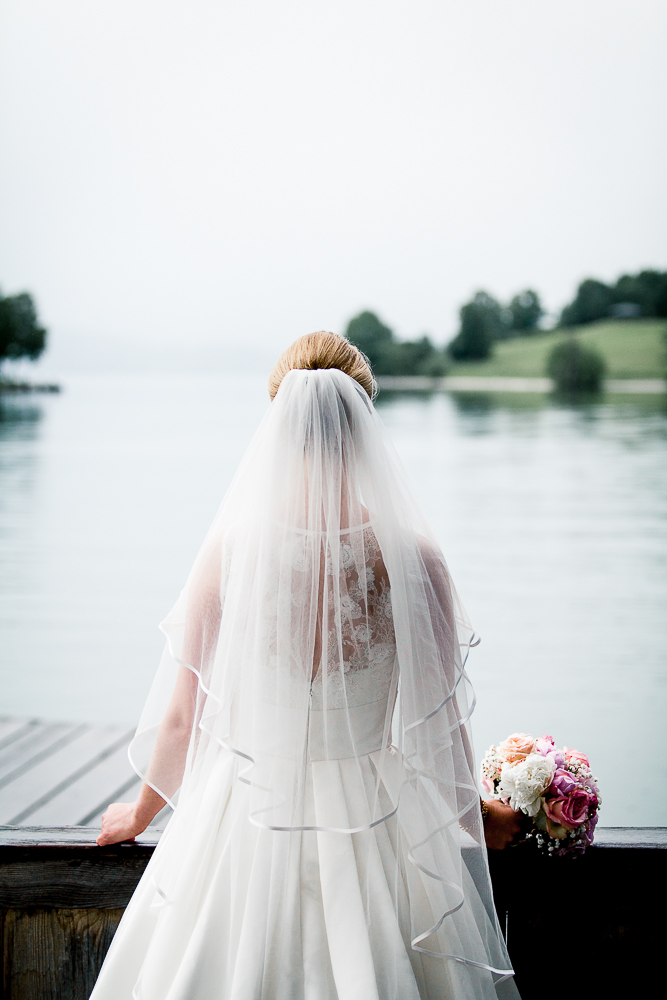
(349, 701)
(338, 707)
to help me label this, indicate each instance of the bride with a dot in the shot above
(309, 725)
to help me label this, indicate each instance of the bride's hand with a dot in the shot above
(119, 823)
(502, 825)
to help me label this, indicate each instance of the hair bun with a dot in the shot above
(323, 350)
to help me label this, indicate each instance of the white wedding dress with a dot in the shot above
(317, 849)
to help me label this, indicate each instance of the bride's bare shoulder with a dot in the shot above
(435, 571)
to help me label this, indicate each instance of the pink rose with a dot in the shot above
(562, 784)
(568, 811)
(576, 755)
(516, 747)
(488, 786)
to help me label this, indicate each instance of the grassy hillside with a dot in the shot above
(631, 348)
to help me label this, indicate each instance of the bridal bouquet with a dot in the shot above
(556, 788)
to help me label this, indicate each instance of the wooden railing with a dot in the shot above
(590, 927)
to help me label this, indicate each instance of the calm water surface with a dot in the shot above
(553, 519)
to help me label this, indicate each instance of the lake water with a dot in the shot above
(553, 519)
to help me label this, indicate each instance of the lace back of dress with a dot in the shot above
(358, 604)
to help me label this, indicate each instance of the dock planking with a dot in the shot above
(64, 774)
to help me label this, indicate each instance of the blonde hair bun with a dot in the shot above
(323, 350)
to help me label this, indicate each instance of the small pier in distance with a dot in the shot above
(59, 774)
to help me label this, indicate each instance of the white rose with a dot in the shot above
(525, 782)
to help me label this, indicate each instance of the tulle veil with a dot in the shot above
(321, 630)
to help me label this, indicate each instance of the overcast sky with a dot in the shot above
(231, 174)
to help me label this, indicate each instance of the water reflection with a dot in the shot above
(20, 421)
(20, 424)
(18, 414)
(552, 515)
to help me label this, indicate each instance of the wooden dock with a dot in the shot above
(61, 896)
(598, 919)
(58, 774)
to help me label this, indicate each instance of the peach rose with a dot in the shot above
(516, 747)
(576, 755)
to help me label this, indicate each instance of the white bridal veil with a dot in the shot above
(328, 704)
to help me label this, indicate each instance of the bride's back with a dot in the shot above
(316, 849)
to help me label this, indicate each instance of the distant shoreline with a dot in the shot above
(426, 383)
(500, 383)
(10, 388)
(632, 350)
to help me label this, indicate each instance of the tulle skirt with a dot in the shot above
(227, 910)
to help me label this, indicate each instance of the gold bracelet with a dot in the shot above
(484, 806)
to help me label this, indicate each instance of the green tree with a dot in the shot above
(661, 298)
(21, 336)
(388, 356)
(647, 290)
(575, 367)
(525, 312)
(496, 316)
(414, 357)
(592, 301)
(367, 332)
(481, 324)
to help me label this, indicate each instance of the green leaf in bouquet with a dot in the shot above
(555, 830)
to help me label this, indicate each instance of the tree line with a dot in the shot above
(21, 335)
(483, 321)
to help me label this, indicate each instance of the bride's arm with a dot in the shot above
(502, 824)
(126, 820)
(440, 599)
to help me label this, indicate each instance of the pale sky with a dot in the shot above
(225, 175)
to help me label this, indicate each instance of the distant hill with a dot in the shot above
(632, 349)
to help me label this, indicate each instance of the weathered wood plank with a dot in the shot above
(56, 770)
(127, 792)
(79, 801)
(65, 836)
(55, 954)
(43, 740)
(64, 868)
(63, 878)
(631, 837)
(64, 787)
(48, 774)
(11, 729)
(34, 734)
